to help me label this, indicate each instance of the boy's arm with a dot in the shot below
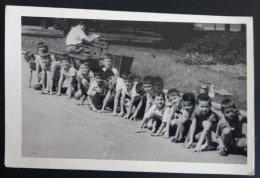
(91, 104)
(162, 126)
(206, 129)
(140, 104)
(130, 107)
(108, 95)
(116, 101)
(61, 80)
(168, 122)
(43, 79)
(38, 72)
(122, 105)
(191, 132)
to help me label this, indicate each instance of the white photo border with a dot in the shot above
(13, 97)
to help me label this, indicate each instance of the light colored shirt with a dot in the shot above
(72, 72)
(75, 36)
(89, 76)
(155, 112)
(94, 87)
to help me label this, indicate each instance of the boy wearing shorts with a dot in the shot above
(84, 76)
(204, 120)
(230, 129)
(68, 73)
(155, 113)
(97, 90)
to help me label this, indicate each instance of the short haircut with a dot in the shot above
(42, 45)
(63, 57)
(107, 74)
(139, 87)
(148, 80)
(227, 103)
(85, 63)
(189, 97)
(97, 71)
(128, 76)
(137, 78)
(203, 97)
(159, 93)
(28, 56)
(108, 56)
(158, 80)
(173, 92)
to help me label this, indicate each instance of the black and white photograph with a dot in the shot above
(126, 91)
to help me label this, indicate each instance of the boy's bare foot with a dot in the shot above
(50, 93)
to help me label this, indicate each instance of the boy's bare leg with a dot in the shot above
(30, 79)
(154, 125)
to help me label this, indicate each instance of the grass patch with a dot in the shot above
(164, 63)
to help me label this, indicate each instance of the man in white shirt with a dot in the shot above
(76, 36)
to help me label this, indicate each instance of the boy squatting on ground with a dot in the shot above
(30, 59)
(204, 120)
(111, 80)
(155, 113)
(230, 129)
(170, 114)
(128, 92)
(84, 77)
(97, 90)
(144, 89)
(67, 72)
(183, 123)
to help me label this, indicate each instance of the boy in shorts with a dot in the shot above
(68, 73)
(230, 129)
(107, 62)
(45, 64)
(204, 120)
(129, 96)
(188, 105)
(84, 77)
(144, 89)
(110, 79)
(171, 114)
(30, 59)
(97, 90)
(155, 113)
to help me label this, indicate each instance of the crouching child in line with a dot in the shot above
(97, 90)
(231, 138)
(68, 73)
(204, 121)
(155, 113)
(84, 77)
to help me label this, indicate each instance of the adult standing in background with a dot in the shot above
(76, 37)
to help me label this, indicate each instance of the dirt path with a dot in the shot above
(56, 127)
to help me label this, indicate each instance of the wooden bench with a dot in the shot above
(96, 44)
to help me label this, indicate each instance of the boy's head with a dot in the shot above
(42, 48)
(108, 76)
(140, 88)
(65, 61)
(98, 73)
(159, 99)
(188, 102)
(229, 109)
(29, 57)
(203, 103)
(108, 60)
(84, 67)
(128, 79)
(173, 96)
(148, 83)
(158, 83)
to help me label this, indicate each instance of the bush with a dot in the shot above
(225, 47)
